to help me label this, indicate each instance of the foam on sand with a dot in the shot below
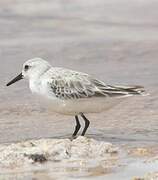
(79, 152)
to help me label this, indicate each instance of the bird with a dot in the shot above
(71, 92)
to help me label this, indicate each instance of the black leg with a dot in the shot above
(87, 122)
(77, 127)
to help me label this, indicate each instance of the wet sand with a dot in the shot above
(116, 41)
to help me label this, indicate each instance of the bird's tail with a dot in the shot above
(133, 90)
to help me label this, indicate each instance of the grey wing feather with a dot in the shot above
(114, 91)
(78, 85)
(69, 88)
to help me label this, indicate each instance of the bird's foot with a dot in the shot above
(73, 137)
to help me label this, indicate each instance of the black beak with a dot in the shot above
(20, 76)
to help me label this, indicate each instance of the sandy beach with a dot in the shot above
(115, 41)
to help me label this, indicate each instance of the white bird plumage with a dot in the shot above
(72, 92)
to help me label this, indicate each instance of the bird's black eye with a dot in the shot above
(26, 67)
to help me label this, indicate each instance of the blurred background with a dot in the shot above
(114, 40)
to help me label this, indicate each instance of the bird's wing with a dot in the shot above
(75, 85)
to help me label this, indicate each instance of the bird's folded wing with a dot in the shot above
(79, 86)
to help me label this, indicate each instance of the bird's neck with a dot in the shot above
(35, 80)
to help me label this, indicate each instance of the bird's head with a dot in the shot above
(32, 68)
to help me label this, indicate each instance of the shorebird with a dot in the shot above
(72, 93)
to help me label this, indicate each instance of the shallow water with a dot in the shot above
(115, 41)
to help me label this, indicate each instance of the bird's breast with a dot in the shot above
(35, 86)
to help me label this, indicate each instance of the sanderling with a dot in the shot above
(71, 92)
